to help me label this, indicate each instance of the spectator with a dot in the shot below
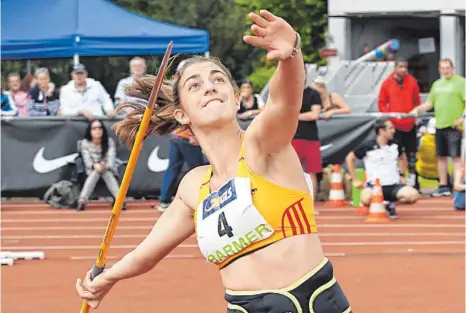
(29, 82)
(400, 94)
(138, 68)
(7, 104)
(182, 148)
(84, 96)
(98, 151)
(306, 140)
(43, 99)
(17, 93)
(332, 102)
(250, 104)
(380, 158)
(447, 98)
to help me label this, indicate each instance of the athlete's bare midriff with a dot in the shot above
(276, 266)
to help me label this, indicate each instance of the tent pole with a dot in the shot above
(28, 66)
(76, 59)
(207, 54)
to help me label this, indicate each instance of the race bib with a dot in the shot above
(228, 221)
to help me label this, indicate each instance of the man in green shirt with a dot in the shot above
(447, 97)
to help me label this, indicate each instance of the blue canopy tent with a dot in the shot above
(65, 28)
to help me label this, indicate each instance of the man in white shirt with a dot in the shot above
(137, 67)
(85, 96)
(381, 158)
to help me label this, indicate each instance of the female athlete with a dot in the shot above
(252, 208)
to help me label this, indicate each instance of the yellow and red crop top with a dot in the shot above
(248, 213)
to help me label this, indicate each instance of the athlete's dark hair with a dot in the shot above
(163, 120)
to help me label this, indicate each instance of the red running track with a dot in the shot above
(414, 264)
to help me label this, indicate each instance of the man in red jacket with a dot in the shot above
(400, 94)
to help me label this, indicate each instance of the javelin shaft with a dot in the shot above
(132, 162)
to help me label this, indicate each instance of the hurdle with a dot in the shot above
(30, 255)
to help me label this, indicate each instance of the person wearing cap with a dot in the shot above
(84, 96)
(250, 104)
(400, 93)
(43, 99)
(332, 102)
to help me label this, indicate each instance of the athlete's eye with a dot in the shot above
(193, 86)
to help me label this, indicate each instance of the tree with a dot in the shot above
(223, 19)
(306, 16)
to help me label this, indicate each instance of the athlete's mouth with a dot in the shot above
(213, 101)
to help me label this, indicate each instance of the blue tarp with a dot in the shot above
(61, 28)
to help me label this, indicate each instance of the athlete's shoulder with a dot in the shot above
(191, 184)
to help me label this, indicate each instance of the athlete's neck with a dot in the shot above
(96, 141)
(222, 147)
(381, 141)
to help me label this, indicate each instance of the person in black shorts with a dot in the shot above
(381, 160)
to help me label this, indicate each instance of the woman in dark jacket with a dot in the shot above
(43, 99)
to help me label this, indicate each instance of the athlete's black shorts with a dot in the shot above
(448, 142)
(389, 192)
(316, 292)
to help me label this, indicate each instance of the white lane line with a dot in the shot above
(151, 219)
(170, 256)
(155, 212)
(400, 209)
(79, 220)
(102, 227)
(44, 237)
(366, 243)
(73, 212)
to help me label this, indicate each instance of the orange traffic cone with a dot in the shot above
(377, 213)
(337, 194)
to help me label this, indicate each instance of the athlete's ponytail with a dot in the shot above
(162, 121)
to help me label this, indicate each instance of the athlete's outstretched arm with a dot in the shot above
(173, 227)
(276, 125)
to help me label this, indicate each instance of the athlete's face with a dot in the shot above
(207, 96)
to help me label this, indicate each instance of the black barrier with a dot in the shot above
(36, 151)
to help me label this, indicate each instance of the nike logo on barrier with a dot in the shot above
(42, 166)
(323, 148)
(156, 163)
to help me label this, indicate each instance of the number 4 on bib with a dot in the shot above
(223, 227)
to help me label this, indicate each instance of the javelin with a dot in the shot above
(99, 265)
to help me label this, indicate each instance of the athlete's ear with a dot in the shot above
(238, 101)
(181, 117)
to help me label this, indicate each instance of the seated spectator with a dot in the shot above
(332, 102)
(137, 67)
(98, 151)
(381, 158)
(43, 99)
(8, 105)
(250, 104)
(84, 96)
(17, 93)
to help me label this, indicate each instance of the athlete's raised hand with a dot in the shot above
(273, 34)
